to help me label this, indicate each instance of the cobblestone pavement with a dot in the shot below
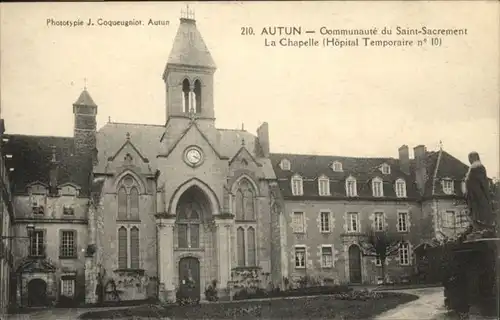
(430, 305)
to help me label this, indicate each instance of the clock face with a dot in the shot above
(193, 156)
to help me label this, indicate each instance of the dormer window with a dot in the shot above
(400, 188)
(447, 186)
(337, 166)
(9, 156)
(297, 185)
(285, 165)
(377, 187)
(350, 187)
(386, 169)
(324, 186)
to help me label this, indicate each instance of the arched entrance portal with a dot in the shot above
(189, 278)
(37, 293)
(354, 264)
(195, 236)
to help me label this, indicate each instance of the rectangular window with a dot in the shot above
(68, 242)
(326, 257)
(37, 244)
(404, 254)
(379, 221)
(300, 257)
(325, 222)
(402, 221)
(324, 187)
(450, 219)
(298, 222)
(297, 186)
(352, 222)
(68, 287)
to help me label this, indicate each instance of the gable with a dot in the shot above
(244, 159)
(68, 189)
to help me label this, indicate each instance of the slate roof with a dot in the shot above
(189, 47)
(31, 159)
(311, 167)
(85, 100)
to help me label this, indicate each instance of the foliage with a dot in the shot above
(211, 291)
(381, 244)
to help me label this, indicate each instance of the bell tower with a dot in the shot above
(189, 74)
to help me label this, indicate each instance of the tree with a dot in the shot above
(381, 244)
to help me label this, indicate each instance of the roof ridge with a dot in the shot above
(240, 130)
(36, 136)
(137, 124)
(332, 156)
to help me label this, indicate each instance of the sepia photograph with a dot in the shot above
(250, 160)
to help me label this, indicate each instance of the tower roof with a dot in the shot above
(85, 100)
(189, 47)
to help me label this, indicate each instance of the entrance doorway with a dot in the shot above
(37, 293)
(189, 278)
(354, 264)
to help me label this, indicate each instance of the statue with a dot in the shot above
(477, 194)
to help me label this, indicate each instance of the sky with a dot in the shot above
(352, 101)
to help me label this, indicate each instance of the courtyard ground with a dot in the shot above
(429, 306)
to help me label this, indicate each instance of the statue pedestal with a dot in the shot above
(472, 283)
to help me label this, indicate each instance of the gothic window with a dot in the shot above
(122, 248)
(134, 248)
(245, 201)
(185, 95)
(240, 234)
(197, 96)
(188, 226)
(251, 246)
(128, 199)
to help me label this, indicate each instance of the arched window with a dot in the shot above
(134, 248)
(122, 248)
(122, 204)
(245, 201)
(197, 96)
(188, 224)
(185, 96)
(240, 235)
(128, 199)
(251, 246)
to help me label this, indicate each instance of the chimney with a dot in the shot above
(404, 159)
(263, 136)
(420, 154)
(53, 172)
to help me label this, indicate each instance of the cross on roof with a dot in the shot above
(187, 14)
(84, 83)
(128, 135)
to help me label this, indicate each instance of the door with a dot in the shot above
(354, 264)
(189, 278)
(37, 293)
